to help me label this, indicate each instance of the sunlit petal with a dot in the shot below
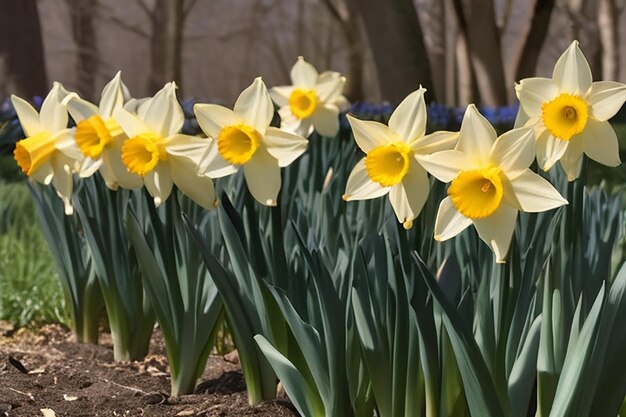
(284, 146)
(449, 221)
(409, 118)
(606, 98)
(262, 175)
(360, 186)
(571, 72)
(369, 134)
(254, 106)
(476, 136)
(497, 230)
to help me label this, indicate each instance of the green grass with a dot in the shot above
(30, 293)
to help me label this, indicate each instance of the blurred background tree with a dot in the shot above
(461, 50)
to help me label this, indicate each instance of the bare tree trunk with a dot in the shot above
(608, 39)
(166, 43)
(397, 44)
(436, 29)
(465, 81)
(477, 19)
(84, 34)
(346, 14)
(22, 47)
(527, 65)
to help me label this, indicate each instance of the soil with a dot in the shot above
(46, 370)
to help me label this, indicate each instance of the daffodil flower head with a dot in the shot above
(490, 182)
(569, 114)
(242, 137)
(391, 165)
(100, 137)
(159, 155)
(312, 102)
(49, 153)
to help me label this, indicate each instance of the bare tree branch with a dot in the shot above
(146, 9)
(127, 26)
(188, 5)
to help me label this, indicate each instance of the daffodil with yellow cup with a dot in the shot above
(243, 137)
(100, 137)
(159, 154)
(49, 153)
(391, 165)
(490, 182)
(313, 101)
(569, 114)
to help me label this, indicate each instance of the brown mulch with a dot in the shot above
(46, 370)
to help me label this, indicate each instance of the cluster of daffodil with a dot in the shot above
(138, 142)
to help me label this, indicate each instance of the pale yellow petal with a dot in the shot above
(262, 175)
(81, 109)
(254, 106)
(112, 96)
(514, 151)
(571, 72)
(197, 187)
(303, 74)
(325, 120)
(280, 94)
(449, 222)
(534, 92)
(53, 115)
(130, 122)
(408, 197)
(212, 118)
(534, 193)
(159, 183)
(600, 143)
(360, 186)
(163, 114)
(445, 165)
(549, 150)
(497, 230)
(369, 134)
(409, 118)
(329, 87)
(435, 142)
(476, 136)
(606, 98)
(28, 116)
(284, 146)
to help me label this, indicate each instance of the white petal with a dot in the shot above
(549, 150)
(533, 194)
(497, 230)
(112, 162)
(65, 142)
(89, 167)
(280, 94)
(329, 87)
(600, 143)
(159, 183)
(53, 115)
(112, 96)
(408, 197)
(326, 120)
(263, 177)
(572, 158)
(369, 134)
(212, 163)
(254, 106)
(197, 187)
(435, 142)
(303, 74)
(445, 165)
(28, 116)
(284, 146)
(360, 186)
(606, 98)
(571, 72)
(43, 174)
(81, 109)
(449, 221)
(409, 118)
(63, 182)
(534, 92)
(212, 118)
(291, 123)
(514, 151)
(521, 119)
(130, 122)
(163, 114)
(188, 146)
(476, 136)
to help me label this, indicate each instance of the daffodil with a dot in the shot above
(242, 137)
(391, 165)
(49, 153)
(100, 137)
(490, 182)
(569, 114)
(161, 156)
(313, 101)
